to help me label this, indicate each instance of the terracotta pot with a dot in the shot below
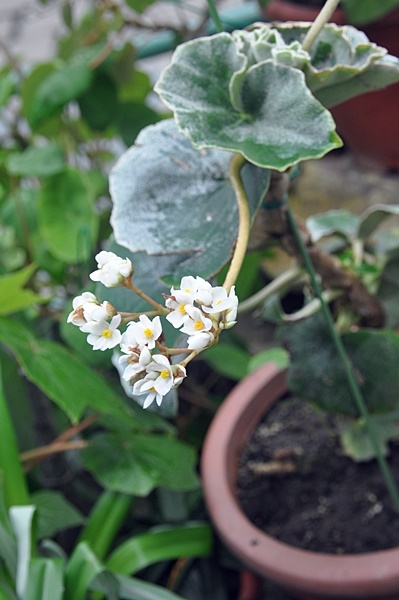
(304, 574)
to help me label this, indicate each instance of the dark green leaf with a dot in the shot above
(54, 513)
(137, 464)
(139, 5)
(99, 104)
(64, 378)
(68, 223)
(365, 11)
(316, 372)
(13, 295)
(277, 356)
(67, 83)
(132, 117)
(41, 161)
(7, 83)
(228, 360)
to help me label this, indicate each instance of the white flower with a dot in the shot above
(177, 303)
(196, 288)
(147, 331)
(199, 341)
(103, 335)
(98, 312)
(196, 322)
(129, 340)
(221, 300)
(163, 370)
(138, 360)
(169, 376)
(143, 386)
(112, 269)
(161, 377)
(79, 304)
(230, 318)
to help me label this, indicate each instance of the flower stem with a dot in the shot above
(158, 307)
(215, 16)
(353, 385)
(322, 18)
(244, 225)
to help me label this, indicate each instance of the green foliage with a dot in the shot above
(13, 295)
(74, 388)
(147, 461)
(161, 543)
(361, 12)
(69, 224)
(355, 437)
(66, 83)
(373, 354)
(228, 360)
(54, 513)
(41, 161)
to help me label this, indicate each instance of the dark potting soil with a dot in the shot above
(295, 484)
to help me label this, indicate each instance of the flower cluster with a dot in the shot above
(196, 309)
(201, 311)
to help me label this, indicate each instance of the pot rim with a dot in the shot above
(359, 575)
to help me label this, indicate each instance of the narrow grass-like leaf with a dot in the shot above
(45, 580)
(21, 518)
(105, 520)
(82, 568)
(14, 485)
(136, 589)
(190, 540)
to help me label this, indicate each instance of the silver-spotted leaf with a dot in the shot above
(172, 199)
(266, 112)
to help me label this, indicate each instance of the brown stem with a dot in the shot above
(60, 444)
(33, 457)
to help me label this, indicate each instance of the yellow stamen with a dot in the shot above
(182, 309)
(165, 373)
(106, 333)
(187, 290)
(198, 325)
(148, 332)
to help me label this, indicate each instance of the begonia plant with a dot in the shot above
(248, 107)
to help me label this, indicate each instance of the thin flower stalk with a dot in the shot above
(237, 162)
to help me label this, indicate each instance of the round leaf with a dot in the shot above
(266, 113)
(170, 198)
